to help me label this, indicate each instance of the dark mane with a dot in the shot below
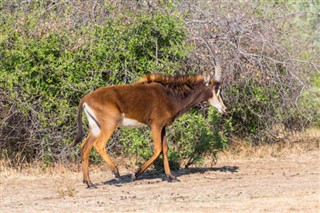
(169, 79)
(177, 84)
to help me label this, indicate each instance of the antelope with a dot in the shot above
(154, 101)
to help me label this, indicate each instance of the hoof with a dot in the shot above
(172, 178)
(133, 177)
(89, 184)
(116, 175)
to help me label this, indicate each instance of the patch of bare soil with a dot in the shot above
(289, 183)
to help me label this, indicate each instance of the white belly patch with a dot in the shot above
(129, 123)
(94, 128)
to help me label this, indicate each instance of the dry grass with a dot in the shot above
(239, 150)
(296, 144)
(66, 192)
(37, 168)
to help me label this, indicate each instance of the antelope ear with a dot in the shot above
(206, 78)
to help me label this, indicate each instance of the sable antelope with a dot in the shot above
(155, 101)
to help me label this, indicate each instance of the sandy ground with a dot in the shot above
(283, 184)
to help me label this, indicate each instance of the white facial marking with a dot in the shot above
(217, 102)
(129, 123)
(218, 92)
(214, 102)
(94, 128)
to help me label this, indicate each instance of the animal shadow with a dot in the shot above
(151, 175)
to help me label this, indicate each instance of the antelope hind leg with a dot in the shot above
(86, 147)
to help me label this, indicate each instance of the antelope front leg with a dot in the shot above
(157, 146)
(165, 157)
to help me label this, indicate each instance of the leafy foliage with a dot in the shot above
(47, 73)
(197, 136)
(52, 53)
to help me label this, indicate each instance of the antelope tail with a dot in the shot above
(80, 129)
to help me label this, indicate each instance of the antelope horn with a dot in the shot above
(216, 61)
(217, 70)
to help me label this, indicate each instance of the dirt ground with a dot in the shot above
(288, 183)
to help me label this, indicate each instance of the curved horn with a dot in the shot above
(218, 70)
(216, 61)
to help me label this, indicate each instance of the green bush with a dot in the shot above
(44, 76)
(309, 103)
(52, 54)
(195, 136)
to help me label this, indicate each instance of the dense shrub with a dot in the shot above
(45, 75)
(196, 135)
(53, 53)
(309, 103)
(267, 49)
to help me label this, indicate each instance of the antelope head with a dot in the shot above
(215, 84)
